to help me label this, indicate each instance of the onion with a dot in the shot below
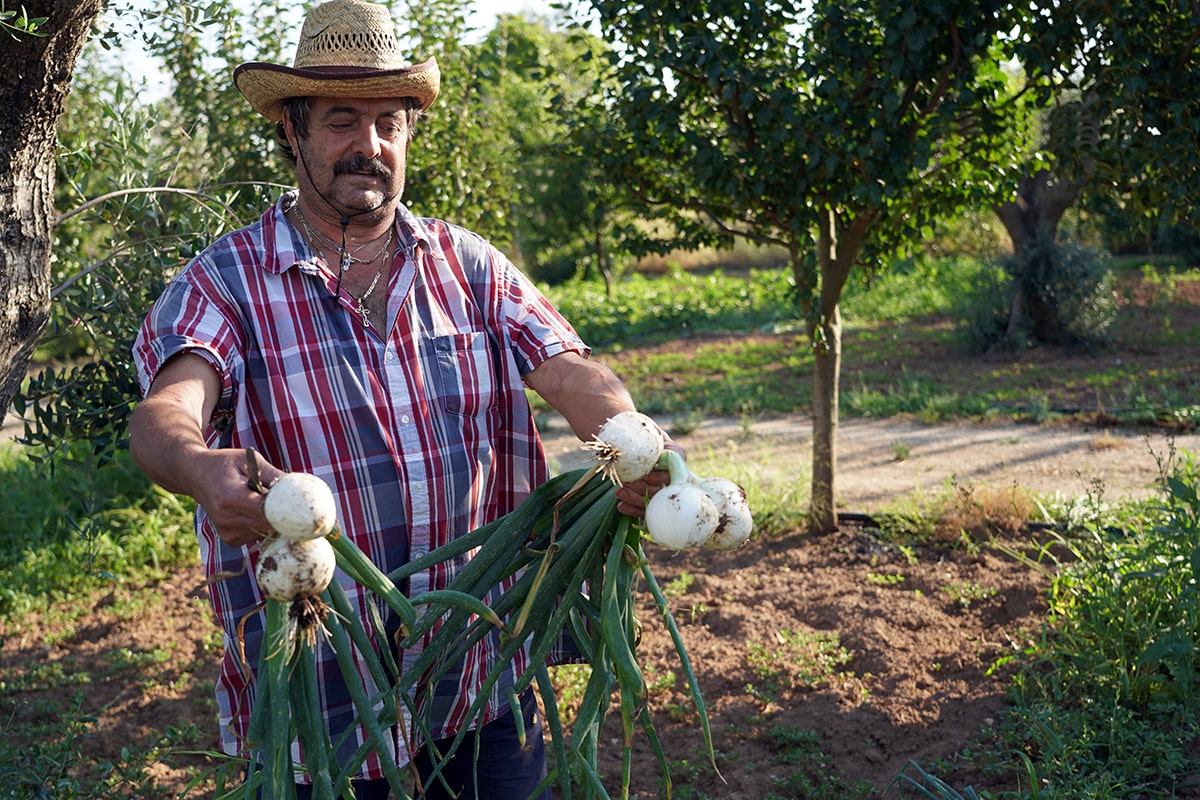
(736, 523)
(681, 515)
(628, 446)
(289, 569)
(300, 506)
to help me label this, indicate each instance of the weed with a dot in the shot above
(569, 682)
(967, 593)
(807, 775)
(679, 586)
(797, 658)
(686, 421)
(1115, 679)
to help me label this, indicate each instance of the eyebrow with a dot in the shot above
(335, 110)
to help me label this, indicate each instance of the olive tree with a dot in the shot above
(1121, 119)
(35, 77)
(838, 130)
(142, 186)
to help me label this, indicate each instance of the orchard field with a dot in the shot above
(934, 637)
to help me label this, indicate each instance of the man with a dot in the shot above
(341, 335)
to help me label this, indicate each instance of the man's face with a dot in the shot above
(355, 154)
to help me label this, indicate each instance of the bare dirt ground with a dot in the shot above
(911, 661)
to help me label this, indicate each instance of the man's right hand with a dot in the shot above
(233, 496)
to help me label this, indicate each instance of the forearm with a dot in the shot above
(166, 440)
(594, 396)
(587, 394)
(167, 444)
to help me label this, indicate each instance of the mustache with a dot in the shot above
(360, 164)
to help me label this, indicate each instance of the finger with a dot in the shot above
(632, 502)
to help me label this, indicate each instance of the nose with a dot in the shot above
(367, 142)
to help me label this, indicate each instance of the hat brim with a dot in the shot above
(266, 86)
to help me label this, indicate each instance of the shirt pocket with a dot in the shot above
(463, 370)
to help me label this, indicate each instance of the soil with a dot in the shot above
(908, 646)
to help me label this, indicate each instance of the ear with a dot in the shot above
(289, 131)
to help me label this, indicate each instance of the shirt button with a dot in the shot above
(405, 419)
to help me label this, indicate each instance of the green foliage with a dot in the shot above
(141, 190)
(1067, 294)
(903, 311)
(80, 528)
(765, 125)
(491, 153)
(676, 304)
(983, 308)
(807, 774)
(797, 658)
(140, 195)
(1108, 707)
(1068, 290)
(47, 760)
(910, 288)
(1127, 111)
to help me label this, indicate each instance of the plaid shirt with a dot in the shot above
(424, 433)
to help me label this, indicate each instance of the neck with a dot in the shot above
(359, 229)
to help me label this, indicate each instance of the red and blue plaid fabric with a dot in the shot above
(423, 429)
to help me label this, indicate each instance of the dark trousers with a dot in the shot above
(504, 771)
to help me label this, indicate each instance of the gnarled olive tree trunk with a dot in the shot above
(35, 76)
(1032, 217)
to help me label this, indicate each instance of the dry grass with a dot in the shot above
(1105, 442)
(977, 512)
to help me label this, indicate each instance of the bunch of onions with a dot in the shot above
(295, 566)
(299, 562)
(691, 511)
(294, 570)
(566, 559)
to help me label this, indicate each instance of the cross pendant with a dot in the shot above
(364, 312)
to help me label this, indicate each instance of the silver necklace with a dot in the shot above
(346, 258)
(362, 309)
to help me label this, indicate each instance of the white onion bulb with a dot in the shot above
(681, 515)
(300, 506)
(628, 446)
(736, 523)
(288, 570)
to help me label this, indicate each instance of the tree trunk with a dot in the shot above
(1034, 216)
(35, 76)
(827, 351)
(602, 263)
(836, 252)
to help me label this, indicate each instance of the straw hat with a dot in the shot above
(347, 48)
